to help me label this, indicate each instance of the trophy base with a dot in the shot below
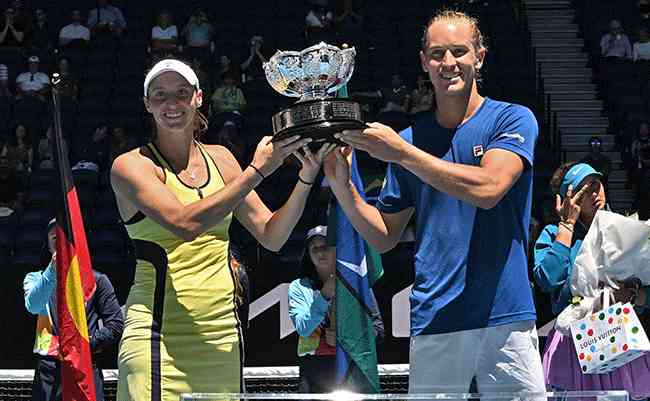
(321, 132)
(318, 119)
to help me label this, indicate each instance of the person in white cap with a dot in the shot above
(177, 198)
(33, 82)
(312, 310)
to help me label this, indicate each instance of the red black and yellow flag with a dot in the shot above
(75, 283)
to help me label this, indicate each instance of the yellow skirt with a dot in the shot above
(155, 366)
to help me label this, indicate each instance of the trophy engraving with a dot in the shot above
(313, 75)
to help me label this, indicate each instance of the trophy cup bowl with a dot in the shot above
(313, 75)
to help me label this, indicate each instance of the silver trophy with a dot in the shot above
(313, 75)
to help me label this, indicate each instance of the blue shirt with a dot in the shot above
(106, 15)
(307, 306)
(554, 264)
(470, 263)
(40, 291)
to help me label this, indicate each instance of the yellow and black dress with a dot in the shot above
(181, 331)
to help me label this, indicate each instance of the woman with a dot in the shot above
(19, 150)
(164, 36)
(40, 300)
(312, 311)
(580, 195)
(177, 197)
(198, 35)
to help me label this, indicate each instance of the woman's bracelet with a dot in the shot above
(304, 182)
(567, 226)
(257, 171)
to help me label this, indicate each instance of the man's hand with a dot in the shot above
(379, 140)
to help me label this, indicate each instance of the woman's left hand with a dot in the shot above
(311, 162)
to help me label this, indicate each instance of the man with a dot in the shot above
(33, 82)
(74, 31)
(13, 30)
(106, 19)
(42, 33)
(465, 170)
(40, 300)
(4, 82)
(615, 43)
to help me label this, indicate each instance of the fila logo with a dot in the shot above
(478, 150)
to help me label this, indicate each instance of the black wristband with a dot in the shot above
(303, 181)
(257, 171)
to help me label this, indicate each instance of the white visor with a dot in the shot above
(171, 65)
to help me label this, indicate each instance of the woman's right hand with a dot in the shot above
(569, 208)
(329, 287)
(270, 155)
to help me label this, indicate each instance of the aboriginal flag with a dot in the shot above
(358, 267)
(75, 282)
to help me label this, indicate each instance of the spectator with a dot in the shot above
(97, 149)
(119, 143)
(230, 137)
(106, 19)
(228, 98)
(69, 84)
(641, 159)
(641, 147)
(19, 150)
(12, 191)
(597, 160)
(252, 67)
(199, 33)
(349, 24)
(313, 312)
(33, 83)
(579, 195)
(40, 300)
(204, 78)
(396, 102)
(75, 33)
(12, 31)
(318, 21)
(641, 49)
(226, 65)
(422, 98)
(395, 98)
(5, 92)
(615, 44)
(46, 151)
(164, 36)
(42, 32)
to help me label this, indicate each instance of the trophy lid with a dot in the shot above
(312, 73)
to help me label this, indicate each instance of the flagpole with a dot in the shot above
(60, 151)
